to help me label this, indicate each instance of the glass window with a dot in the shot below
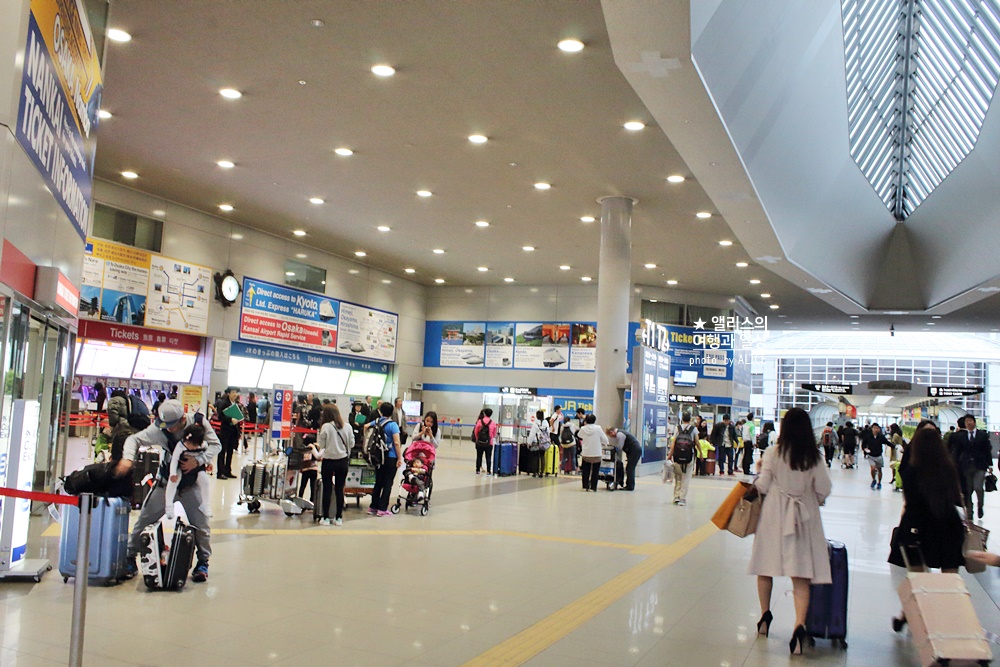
(127, 228)
(663, 312)
(306, 276)
(705, 313)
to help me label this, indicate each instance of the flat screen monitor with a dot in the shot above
(685, 378)
(413, 409)
(282, 372)
(106, 359)
(323, 380)
(244, 372)
(365, 384)
(156, 363)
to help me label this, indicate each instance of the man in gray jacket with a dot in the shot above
(165, 433)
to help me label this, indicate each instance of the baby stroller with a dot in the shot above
(419, 457)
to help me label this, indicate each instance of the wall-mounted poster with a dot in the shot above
(500, 345)
(541, 346)
(132, 286)
(374, 331)
(462, 344)
(583, 353)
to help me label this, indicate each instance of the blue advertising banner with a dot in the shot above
(694, 350)
(60, 96)
(563, 346)
(283, 315)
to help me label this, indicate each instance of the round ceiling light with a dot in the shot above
(299, 232)
(774, 306)
(704, 215)
(725, 244)
(565, 267)
(424, 193)
(345, 152)
(528, 248)
(231, 93)
(508, 280)
(671, 282)
(120, 36)
(542, 186)
(742, 265)
(478, 139)
(301, 255)
(315, 200)
(675, 178)
(570, 45)
(650, 265)
(383, 70)
(483, 269)
(226, 207)
(290, 273)
(104, 115)
(755, 282)
(587, 218)
(482, 223)
(585, 279)
(360, 253)
(317, 23)
(226, 164)
(354, 272)
(765, 295)
(384, 228)
(439, 281)
(634, 126)
(130, 174)
(438, 251)
(410, 270)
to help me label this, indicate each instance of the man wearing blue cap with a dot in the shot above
(164, 434)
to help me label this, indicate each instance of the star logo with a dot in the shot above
(699, 324)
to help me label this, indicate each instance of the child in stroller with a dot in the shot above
(418, 482)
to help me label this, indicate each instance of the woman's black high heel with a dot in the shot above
(795, 646)
(764, 624)
(898, 623)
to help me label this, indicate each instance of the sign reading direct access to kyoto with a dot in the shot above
(283, 315)
(60, 95)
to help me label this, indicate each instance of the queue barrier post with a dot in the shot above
(86, 501)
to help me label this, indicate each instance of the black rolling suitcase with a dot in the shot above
(144, 475)
(827, 617)
(162, 567)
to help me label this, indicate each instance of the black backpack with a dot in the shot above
(377, 449)
(483, 434)
(99, 479)
(762, 440)
(684, 445)
(566, 436)
(138, 413)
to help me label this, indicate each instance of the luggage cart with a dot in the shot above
(360, 479)
(270, 480)
(610, 460)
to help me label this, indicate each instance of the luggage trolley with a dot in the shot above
(272, 480)
(610, 460)
(360, 478)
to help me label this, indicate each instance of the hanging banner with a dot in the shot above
(60, 96)
(562, 346)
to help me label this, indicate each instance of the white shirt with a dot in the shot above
(434, 439)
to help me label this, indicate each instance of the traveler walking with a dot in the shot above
(975, 458)
(850, 445)
(789, 541)
(829, 442)
(724, 438)
(682, 456)
(873, 444)
(749, 443)
(593, 441)
(385, 474)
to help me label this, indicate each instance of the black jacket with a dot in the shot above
(874, 445)
(975, 453)
(718, 437)
(228, 426)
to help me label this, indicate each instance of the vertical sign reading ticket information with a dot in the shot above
(59, 98)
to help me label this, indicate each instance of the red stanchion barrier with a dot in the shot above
(57, 498)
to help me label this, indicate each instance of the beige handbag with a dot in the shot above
(747, 514)
(975, 540)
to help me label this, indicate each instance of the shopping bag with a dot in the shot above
(975, 540)
(746, 514)
(668, 472)
(725, 511)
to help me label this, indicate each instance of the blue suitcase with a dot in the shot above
(505, 459)
(108, 540)
(827, 617)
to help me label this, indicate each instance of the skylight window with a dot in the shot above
(920, 78)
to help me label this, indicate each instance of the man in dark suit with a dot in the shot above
(229, 434)
(724, 440)
(975, 457)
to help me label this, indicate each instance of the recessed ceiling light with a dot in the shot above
(439, 280)
(231, 93)
(317, 23)
(226, 207)
(570, 45)
(343, 151)
(528, 248)
(755, 282)
(424, 193)
(103, 114)
(159, 213)
(236, 237)
(130, 174)
(383, 70)
(634, 125)
(386, 281)
(854, 317)
(483, 269)
(354, 272)
(482, 223)
(856, 323)
(587, 218)
(742, 265)
(116, 35)
(565, 267)
(478, 139)
(935, 317)
(508, 280)
(585, 279)
(725, 244)
(360, 253)
(930, 324)
(225, 164)
(765, 295)
(410, 270)
(438, 251)
(650, 266)
(675, 178)
(704, 215)
(671, 282)
(302, 82)
(383, 228)
(301, 255)
(542, 186)
(289, 273)
(774, 306)
(315, 200)
(299, 232)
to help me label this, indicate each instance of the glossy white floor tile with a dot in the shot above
(495, 556)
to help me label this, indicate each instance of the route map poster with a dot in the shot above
(133, 286)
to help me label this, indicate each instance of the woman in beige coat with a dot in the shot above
(789, 541)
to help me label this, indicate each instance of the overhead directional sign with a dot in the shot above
(842, 389)
(519, 391)
(684, 398)
(953, 392)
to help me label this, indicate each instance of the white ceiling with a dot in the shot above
(489, 67)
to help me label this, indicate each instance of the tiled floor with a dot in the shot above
(495, 557)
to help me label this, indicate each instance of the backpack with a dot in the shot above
(99, 479)
(263, 410)
(138, 414)
(377, 449)
(762, 440)
(684, 447)
(566, 436)
(827, 440)
(542, 441)
(483, 434)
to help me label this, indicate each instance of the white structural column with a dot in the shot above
(613, 294)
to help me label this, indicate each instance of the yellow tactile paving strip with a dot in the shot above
(531, 641)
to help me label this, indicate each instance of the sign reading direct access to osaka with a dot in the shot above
(283, 315)
(59, 98)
